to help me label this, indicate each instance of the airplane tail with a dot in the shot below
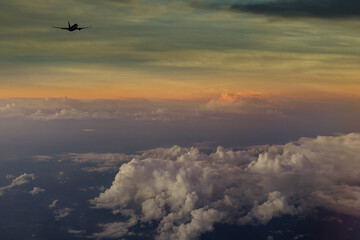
(69, 23)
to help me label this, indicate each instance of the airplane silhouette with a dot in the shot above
(72, 27)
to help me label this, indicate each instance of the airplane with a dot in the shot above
(72, 27)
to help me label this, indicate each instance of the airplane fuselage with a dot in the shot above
(73, 27)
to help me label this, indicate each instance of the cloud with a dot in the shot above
(244, 102)
(275, 206)
(57, 109)
(185, 191)
(202, 220)
(36, 190)
(96, 162)
(42, 158)
(21, 180)
(74, 109)
(116, 229)
(53, 204)
(229, 105)
(73, 231)
(165, 111)
(302, 8)
(77, 233)
(61, 213)
(159, 114)
(61, 177)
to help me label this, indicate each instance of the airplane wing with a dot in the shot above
(80, 28)
(61, 28)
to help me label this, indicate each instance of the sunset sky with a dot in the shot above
(180, 120)
(177, 49)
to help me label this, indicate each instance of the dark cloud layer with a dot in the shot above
(303, 8)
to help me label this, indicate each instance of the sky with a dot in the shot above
(180, 119)
(184, 50)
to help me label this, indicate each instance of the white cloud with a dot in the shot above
(99, 162)
(77, 233)
(65, 109)
(21, 180)
(236, 107)
(239, 102)
(186, 191)
(36, 190)
(159, 114)
(202, 220)
(116, 229)
(61, 213)
(42, 158)
(68, 113)
(139, 110)
(73, 231)
(53, 204)
(275, 206)
(61, 177)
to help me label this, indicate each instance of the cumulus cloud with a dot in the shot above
(23, 179)
(67, 113)
(77, 233)
(166, 111)
(275, 206)
(116, 229)
(61, 213)
(75, 109)
(163, 114)
(73, 231)
(53, 204)
(61, 177)
(99, 162)
(36, 190)
(42, 158)
(59, 109)
(244, 102)
(235, 107)
(185, 191)
(20, 180)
